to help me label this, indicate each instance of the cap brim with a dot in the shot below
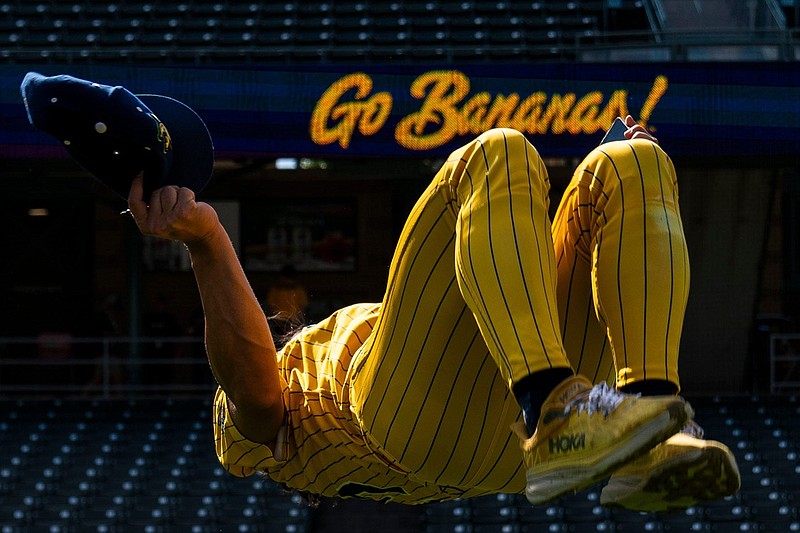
(192, 148)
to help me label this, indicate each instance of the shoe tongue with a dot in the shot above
(567, 390)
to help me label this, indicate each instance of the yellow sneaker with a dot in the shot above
(584, 433)
(678, 473)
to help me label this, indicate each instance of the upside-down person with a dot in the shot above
(493, 317)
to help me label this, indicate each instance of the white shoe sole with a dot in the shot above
(544, 487)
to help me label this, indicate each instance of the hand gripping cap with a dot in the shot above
(115, 135)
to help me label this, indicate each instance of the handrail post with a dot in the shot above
(106, 368)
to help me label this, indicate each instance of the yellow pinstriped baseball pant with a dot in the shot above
(483, 290)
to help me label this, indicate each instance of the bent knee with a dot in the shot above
(501, 136)
(639, 165)
(626, 154)
(638, 159)
(509, 146)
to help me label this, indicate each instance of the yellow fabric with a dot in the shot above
(623, 265)
(409, 400)
(322, 449)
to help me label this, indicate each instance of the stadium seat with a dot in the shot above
(467, 36)
(350, 36)
(493, 509)
(386, 9)
(420, 9)
(428, 36)
(396, 37)
(196, 38)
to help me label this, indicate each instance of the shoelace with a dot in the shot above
(600, 398)
(693, 429)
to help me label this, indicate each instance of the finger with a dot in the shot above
(644, 135)
(169, 198)
(137, 189)
(636, 128)
(161, 200)
(631, 132)
(630, 123)
(185, 196)
(136, 203)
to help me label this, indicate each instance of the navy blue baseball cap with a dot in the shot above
(115, 135)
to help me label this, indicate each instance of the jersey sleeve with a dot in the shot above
(238, 455)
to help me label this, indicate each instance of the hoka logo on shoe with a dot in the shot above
(568, 443)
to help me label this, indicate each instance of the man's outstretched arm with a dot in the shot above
(238, 341)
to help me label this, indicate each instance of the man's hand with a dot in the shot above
(172, 214)
(637, 131)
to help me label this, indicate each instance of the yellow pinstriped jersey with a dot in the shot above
(482, 291)
(321, 448)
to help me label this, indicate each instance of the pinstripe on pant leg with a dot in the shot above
(469, 308)
(505, 259)
(619, 240)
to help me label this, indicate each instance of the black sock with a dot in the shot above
(651, 387)
(532, 390)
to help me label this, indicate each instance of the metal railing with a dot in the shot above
(784, 362)
(52, 365)
(716, 44)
